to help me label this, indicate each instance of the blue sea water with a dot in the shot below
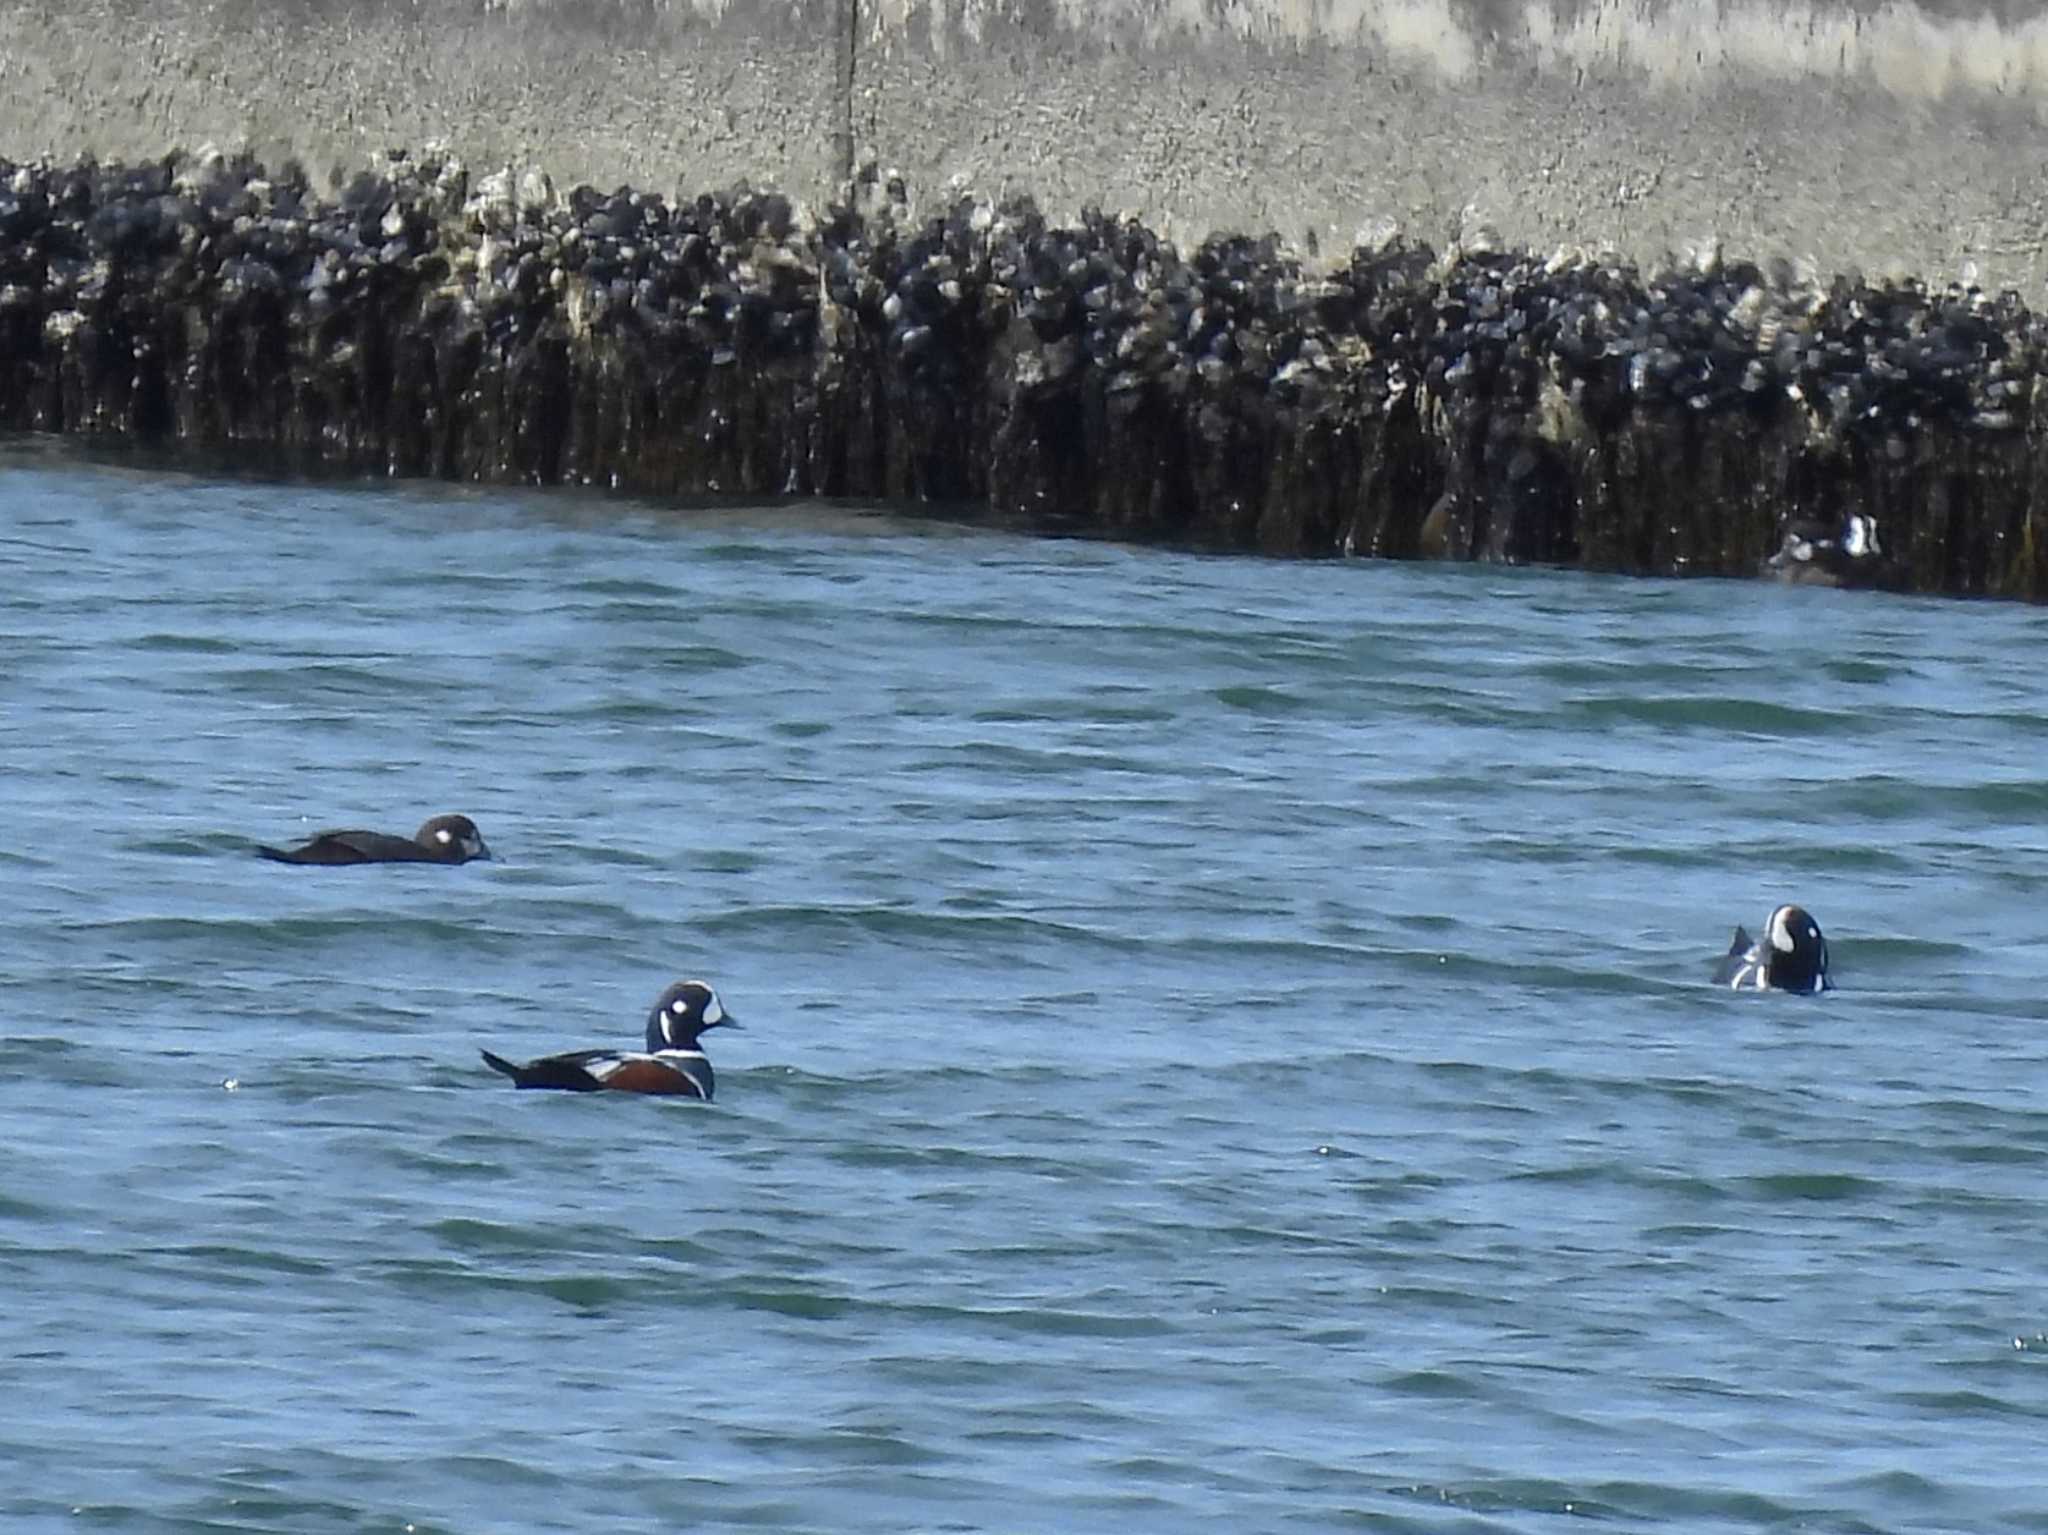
(1226, 1044)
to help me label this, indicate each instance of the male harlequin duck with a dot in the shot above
(672, 1063)
(1815, 554)
(1792, 957)
(444, 839)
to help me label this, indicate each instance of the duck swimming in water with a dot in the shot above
(443, 839)
(671, 1064)
(1793, 956)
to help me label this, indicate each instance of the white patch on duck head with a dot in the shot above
(1781, 931)
(444, 835)
(713, 1013)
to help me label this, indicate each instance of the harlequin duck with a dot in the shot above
(672, 1062)
(1792, 957)
(444, 839)
(1813, 553)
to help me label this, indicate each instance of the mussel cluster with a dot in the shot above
(1714, 416)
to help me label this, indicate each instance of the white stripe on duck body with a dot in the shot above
(672, 1064)
(1791, 956)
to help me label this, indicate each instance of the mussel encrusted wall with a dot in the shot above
(1477, 403)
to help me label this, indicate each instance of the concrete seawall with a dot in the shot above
(1879, 138)
(1479, 404)
(1786, 325)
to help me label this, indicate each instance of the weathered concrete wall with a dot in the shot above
(1651, 126)
(1882, 137)
(601, 92)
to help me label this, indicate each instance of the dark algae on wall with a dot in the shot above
(1717, 417)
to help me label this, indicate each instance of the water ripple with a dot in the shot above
(1224, 1045)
